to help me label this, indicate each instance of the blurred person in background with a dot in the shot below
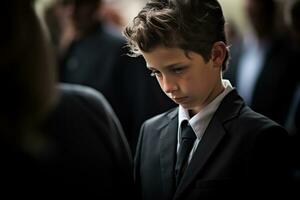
(113, 15)
(294, 21)
(264, 70)
(234, 37)
(92, 53)
(293, 122)
(27, 67)
(57, 140)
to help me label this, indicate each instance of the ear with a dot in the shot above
(218, 53)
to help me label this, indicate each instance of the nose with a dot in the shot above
(168, 85)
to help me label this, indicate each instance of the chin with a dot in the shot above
(187, 106)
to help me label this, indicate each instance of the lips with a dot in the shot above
(180, 100)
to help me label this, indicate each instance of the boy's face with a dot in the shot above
(188, 81)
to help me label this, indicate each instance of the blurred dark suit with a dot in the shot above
(85, 154)
(295, 152)
(293, 125)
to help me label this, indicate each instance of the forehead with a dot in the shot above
(163, 56)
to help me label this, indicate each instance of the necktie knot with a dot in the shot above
(187, 131)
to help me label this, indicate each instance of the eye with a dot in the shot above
(155, 73)
(178, 70)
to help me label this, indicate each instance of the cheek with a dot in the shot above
(196, 84)
(193, 79)
(189, 84)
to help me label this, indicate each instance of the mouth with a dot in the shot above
(180, 100)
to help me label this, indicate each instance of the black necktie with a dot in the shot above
(187, 141)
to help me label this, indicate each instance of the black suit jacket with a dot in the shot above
(241, 155)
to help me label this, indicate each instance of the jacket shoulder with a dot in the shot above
(161, 120)
(252, 118)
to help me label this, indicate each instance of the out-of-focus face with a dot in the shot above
(185, 78)
(85, 17)
(259, 15)
(253, 9)
(77, 19)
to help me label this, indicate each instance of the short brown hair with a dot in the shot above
(192, 25)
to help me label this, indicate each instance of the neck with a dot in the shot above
(219, 88)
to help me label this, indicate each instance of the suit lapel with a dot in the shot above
(168, 144)
(210, 140)
(213, 135)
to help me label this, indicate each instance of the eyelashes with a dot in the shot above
(155, 73)
(170, 71)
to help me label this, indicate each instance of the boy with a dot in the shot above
(226, 150)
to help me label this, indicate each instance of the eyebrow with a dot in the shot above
(165, 67)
